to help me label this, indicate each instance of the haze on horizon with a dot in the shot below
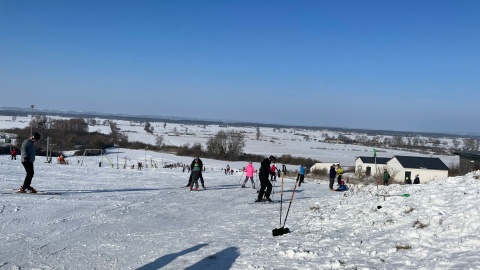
(382, 65)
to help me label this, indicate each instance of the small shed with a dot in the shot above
(320, 166)
(428, 168)
(469, 161)
(370, 165)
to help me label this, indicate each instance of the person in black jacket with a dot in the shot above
(192, 165)
(265, 184)
(332, 175)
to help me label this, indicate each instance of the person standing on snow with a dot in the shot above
(192, 165)
(301, 175)
(332, 175)
(273, 172)
(417, 179)
(339, 173)
(28, 157)
(265, 184)
(13, 152)
(196, 173)
(249, 170)
(386, 177)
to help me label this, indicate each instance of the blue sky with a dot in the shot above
(395, 65)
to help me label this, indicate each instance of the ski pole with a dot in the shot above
(290, 204)
(281, 201)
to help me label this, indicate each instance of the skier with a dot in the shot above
(417, 179)
(13, 152)
(273, 172)
(28, 157)
(265, 184)
(196, 173)
(339, 173)
(301, 175)
(249, 170)
(386, 177)
(227, 170)
(192, 165)
(332, 175)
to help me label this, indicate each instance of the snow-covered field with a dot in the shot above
(106, 218)
(272, 141)
(93, 217)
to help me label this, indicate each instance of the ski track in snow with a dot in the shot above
(104, 218)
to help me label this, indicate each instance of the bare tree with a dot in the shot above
(258, 134)
(159, 140)
(227, 145)
(469, 144)
(397, 141)
(456, 143)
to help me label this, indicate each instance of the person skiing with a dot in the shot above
(13, 152)
(386, 177)
(27, 158)
(265, 184)
(192, 165)
(196, 173)
(339, 173)
(332, 175)
(417, 179)
(301, 175)
(249, 170)
(273, 172)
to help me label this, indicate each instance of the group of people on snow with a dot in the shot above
(336, 171)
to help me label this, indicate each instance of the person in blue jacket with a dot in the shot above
(301, 175)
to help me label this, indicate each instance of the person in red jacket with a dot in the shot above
(14, 154)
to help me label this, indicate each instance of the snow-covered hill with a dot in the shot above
(106, 218)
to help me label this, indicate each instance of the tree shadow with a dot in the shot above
(164, 260)
(222, 260)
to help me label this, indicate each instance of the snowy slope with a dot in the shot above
(106, 218)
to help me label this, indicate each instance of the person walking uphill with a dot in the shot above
(249, 170)
(28, 157)
(301, 175)
(265, 184)
(332, 175)
(386, 177)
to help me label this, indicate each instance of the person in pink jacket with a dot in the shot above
(249, 171)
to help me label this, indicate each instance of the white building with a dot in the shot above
(370, 165)
(428, 169)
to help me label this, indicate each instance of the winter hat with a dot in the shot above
(272, 158)
(36, 135)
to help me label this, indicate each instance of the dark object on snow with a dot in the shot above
(283, 230)
(280, 231)
(379, 207)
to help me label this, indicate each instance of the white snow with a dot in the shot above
(93, 217)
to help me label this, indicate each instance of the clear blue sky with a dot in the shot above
(396, 65)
